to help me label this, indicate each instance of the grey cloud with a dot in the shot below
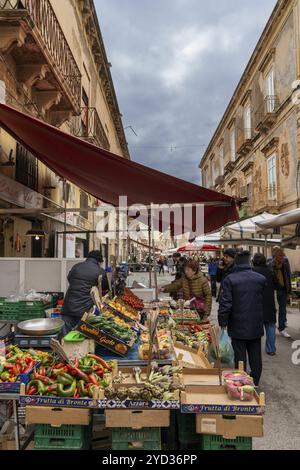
(175, 66)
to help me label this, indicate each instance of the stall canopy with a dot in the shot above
(245, 228)
(106, 176)
(192, 247)
(281, 220)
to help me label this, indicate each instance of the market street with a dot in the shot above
(280, 382)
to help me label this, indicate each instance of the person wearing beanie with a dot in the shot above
(82, 277)
(241, 312)
(226, 267)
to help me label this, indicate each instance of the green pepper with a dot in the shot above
(13, 359)
(5, 376)
(86, 369)
(66, 392)
(81, 388)
(41, 388)
(65, 379)
(91, 391)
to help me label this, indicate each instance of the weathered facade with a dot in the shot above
(53, 65)
(254, 152)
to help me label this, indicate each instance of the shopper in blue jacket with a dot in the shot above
(241, 311)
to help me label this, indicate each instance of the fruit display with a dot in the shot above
(161, 349)
(14, 362)
(77, 380)
(113, 326)
(132, 300)
(122, 308)
(239, 385)
(159, 385)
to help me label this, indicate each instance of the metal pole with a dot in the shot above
(266, 246)
(154, 267)
(65, 219)
(150, 250)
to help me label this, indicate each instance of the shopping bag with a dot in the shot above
(225, 349)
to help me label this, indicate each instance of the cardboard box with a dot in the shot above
(212, 399)
(137, 419)
(78, 349)
(197, 377)
(230, 427)
(190, 358)
(57, 416)
(146, 295)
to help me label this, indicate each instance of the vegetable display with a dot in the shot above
(113, 326)
(76, 380)
(158, 386)
(132, 300)
(239, 386)
(14, 361)
(124, 309)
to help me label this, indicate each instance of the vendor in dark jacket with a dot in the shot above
(260, 266)
(241, 311)
(226, 267)
(81, 278)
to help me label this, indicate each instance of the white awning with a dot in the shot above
(287, 218)
(245, 228)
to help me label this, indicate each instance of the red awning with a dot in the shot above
(194, 247)
(108, 176)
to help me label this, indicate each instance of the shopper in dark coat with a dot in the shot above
(260, 266)
(282, 270)
(81, 278)
(226, 267)
(241, 311)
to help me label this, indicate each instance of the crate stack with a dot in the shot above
(21, 310)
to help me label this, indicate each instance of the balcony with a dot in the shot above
(229, 167)
(246, 143)
(32, 39)
(266, 116)
(88, 126)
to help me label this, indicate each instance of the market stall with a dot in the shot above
(145, 367)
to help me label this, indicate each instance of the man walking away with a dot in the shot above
(241, 311)
(170, 262)
(161, 265)
(281, 267)
(260, 266)
(212, 272)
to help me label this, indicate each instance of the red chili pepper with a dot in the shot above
(52, 388)
(9, 366)
(93, 379)
(32, 391)
(61, 365)
(76, 393)
(76, 363)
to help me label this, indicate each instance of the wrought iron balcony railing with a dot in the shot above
(44, 19)
(88, 126)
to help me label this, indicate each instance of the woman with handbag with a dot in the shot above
(195, 287)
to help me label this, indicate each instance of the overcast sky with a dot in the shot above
(175, 65)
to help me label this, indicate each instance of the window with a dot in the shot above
(247, 121)
(26, 168)
(232, 144)
(84, 203)
(221, 159)
(272, 178)
(270, 91)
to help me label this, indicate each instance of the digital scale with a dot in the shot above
(24, 341)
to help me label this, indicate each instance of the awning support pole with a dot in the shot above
(150, 250)
(65, 219)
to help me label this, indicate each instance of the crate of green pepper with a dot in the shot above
(108, 332)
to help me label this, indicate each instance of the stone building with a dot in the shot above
(53, 65)
(254, 151)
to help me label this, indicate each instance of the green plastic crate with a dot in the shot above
(186, 425)
(22, 310)
(220, 443)
(130, 439)
(64, 437)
